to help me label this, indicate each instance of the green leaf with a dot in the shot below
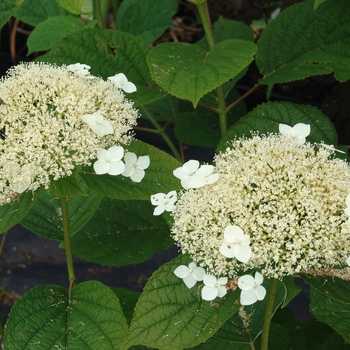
(66, 187)
(224, 29)
(122, 233)
(330, 303)
(47, 317)
(302, 42)
(47, 33)
(73, 6)
(35, 11)
(292, 290)
(317, 3)
(147, 19)
(108, 52)
(189, 72)
(164, 109)
(14, 212)
(267, 116)
(128, 299)
(7, 9)
(168, 315)
(45, 220)
(159, 176)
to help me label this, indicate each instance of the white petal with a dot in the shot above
(222, 280)
(232, 233)
(180, 173)
(159, 210)
(130, 158)
(172, 197)
(103, 128)
(195, 182)
(101, 167)
(227, 249)
(198, 273)
(116, 168)
(185, 182)
(209, 280)
(138, 175)
(116, 153)
(348, 260)
(129, 170)
(204, 170)
(192, 265)
(158, 198)
(191, 166)
(286, 130)
(260, 292)
(181, 271)
(129, 87)
(209, 293)
(222, 291)
(189, 281)
(248, 297)
(242, 253)
(102, 154)
(246, 282)
(301, 130)
(212, 179)
(143, 162)
(259, 279)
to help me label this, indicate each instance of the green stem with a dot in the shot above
(161, 132)
(67, 243)
(271, 294)
(101, 12)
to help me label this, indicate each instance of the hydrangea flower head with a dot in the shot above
(289, 198)
(44, 132)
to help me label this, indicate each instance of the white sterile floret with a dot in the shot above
(236, 244)
(203, 176)
(191, 274)
(109, 161)
(163, 202)
(213, 287)
(135, 166)
(251, 287)
(51, 124)
(121, 82)
(348, 260)
(299, 131)
(185, 172)
(98, 124)
(79, 69)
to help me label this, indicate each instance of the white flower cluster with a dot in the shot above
(54, 118)
(277, 207)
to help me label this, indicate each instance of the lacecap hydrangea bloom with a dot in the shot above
(53, 119)
(283, 199)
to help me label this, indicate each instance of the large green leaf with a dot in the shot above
(7, 9)
(35, 11)
(47, 33)
(159, 176)
(47, 317)
(267, 116)
(330, 302)
(147, 19)
(45, 219)
(302, 42)
(168, 315)
(189, 72)
(108, 52)
(14, 212)
(122, 233)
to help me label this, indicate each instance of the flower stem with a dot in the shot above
(67, 244)
(271, 294)
(161, 132)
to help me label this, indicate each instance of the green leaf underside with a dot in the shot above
(47, 33)
(48, 318)
(158, 178)
(45, 220)
(266, 117)
(7, 9)
(189, 72)
(224, 29)
(147, 19)
(317, 42)
(330, 302)
(170, 316)
(34, 12)
(108, 52)
(122, 233)
(14, 212)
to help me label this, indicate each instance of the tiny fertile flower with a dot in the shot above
(135, 166)
(299, 131)
(213, 287)
(236, 244)
(163, 202)
(79, 69)
(109, 161)
(203, 176)
(98, 124)
(121, 82)
(251, 287)
(190, 274)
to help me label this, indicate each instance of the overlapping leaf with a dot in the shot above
(7, 9)
(168, 315)
(48, 317)
(122, 233)
(303, 41)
